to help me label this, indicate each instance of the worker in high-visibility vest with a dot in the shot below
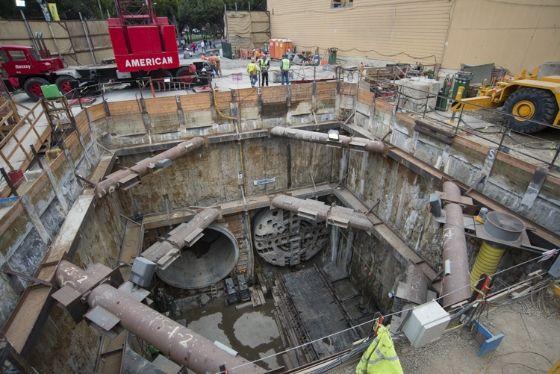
(253, 71)
(380, 357)
(285, 70)
(264, 65)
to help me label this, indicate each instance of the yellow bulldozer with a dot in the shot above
(532, 99)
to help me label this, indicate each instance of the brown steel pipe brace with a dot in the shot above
(456, 284)
(126, 178)
(374, 146)
(319, 212)
(181, 344)
(164, 252)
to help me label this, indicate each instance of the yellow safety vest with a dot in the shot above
(285, 64)
(252, 68)
(264, 63)
(380, 357)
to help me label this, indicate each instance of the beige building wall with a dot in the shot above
(393, 30)
(515, 34)
(511, 33)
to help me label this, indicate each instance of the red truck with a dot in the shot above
(144, 46)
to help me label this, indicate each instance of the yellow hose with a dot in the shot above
(487, 262)
(220, 113)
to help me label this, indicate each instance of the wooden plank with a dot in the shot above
(5, 117)
(19, 124)
(6, 160)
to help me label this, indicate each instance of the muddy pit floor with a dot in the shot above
(252, 332)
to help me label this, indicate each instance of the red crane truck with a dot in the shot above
(144, 45)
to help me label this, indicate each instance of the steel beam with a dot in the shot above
(126, 178)
(181, 344)
(456, 284)
(374, 146)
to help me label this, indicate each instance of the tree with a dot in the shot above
(209, 14)
(8, 10)
(90, 9)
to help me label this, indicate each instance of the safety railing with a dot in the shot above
(497, 130)
(18, 139)
(154, 85)
(9, 117)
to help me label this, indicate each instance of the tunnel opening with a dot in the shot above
(206, 263)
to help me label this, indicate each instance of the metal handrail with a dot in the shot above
(505, 131)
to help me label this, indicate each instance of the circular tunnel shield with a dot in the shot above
(283, 238)
(207, 262)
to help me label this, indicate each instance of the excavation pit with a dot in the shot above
(239, 169)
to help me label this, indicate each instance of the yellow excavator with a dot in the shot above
(532, 99)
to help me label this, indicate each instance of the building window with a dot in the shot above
(341, 3)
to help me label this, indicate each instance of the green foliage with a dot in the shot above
(90, 9)
(8, 10)
(209, 14)
(204, 15)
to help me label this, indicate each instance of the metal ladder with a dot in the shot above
(59, 115)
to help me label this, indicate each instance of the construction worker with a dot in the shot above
(214, 62)
(380, 357)
(253, 71)
(285, 70)
(362, 70)
(264, 65)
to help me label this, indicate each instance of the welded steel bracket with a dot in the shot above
(74, 301)
(108, 323)
(307, 213)
(534, 188)
(436, 207)
(102, 318)
(464, 201)
(136, 292)
(128, 181)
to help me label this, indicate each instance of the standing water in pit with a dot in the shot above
(252, 332)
